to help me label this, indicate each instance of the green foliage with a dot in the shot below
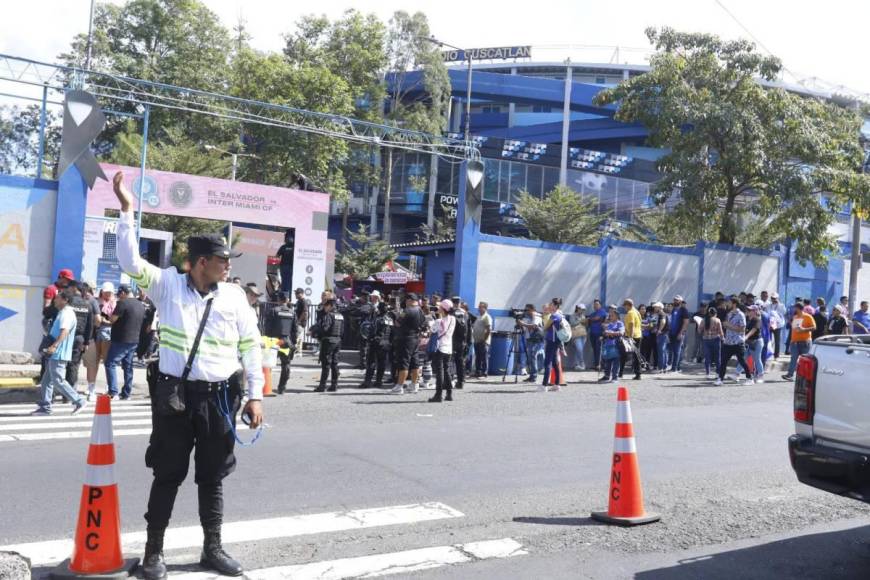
(741, 154)
(19, 140)
(365, 256)
(443, 228)
(562, 216)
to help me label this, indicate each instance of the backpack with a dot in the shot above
(367, 329)
(460, 333)
(563, 333)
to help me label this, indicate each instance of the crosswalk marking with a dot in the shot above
(380, 564)
(84, 424)
(67, 435)
(53, 551)
(118, 404)
(61, 416)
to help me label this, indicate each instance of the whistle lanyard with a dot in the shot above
(223, 402)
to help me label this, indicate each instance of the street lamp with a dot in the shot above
(234, 155)
(467, 54)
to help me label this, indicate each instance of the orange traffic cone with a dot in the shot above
(625, 507)
(97, 548)
(267, 387)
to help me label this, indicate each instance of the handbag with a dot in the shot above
(625, 345)
(168, 390)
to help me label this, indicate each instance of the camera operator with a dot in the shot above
(532, 325)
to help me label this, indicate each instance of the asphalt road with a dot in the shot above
(512, 462)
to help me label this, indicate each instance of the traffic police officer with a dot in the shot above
(281, 324)
(210, 396)
(328, 330)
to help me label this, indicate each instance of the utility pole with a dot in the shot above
(90, 37)
(857, 259)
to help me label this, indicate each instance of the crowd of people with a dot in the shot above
(90, 326)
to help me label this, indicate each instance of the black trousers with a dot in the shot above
(459, 354)
(376, 364)
(203, 429)
(624, 356)
(284, 360)
(329, 350)
(737, 350)
(75, 361)
(441, 367)
(363, 353)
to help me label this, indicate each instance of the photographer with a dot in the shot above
(532, 326)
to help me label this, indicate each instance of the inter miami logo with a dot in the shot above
(180, 194)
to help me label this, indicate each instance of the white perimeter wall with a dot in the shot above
(646, 275)
(734, 272)
(863, 279)
(511, 276)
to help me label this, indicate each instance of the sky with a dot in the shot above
(814, 39)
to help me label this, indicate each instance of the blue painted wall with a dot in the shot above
(437, 263)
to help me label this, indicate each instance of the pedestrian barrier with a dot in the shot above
(625, 499)
(97, 546)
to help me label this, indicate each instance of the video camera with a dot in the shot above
(517, 313)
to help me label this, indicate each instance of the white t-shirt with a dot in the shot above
(445, 328)
(481, 325)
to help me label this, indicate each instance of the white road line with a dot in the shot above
(67, 435)
(42, 553)
(64, 414)
(35, 425)
(380, 564)
(115, 405)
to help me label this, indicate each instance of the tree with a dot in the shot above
(741, 154)
(562, 216)
(443, 228)
(19, 140)
(367, 256)
(417, 107)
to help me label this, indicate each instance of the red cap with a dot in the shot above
(66, 273)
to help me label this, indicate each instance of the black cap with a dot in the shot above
(411, 296)
(300, 291)
(456, 299)
(210, 245)
(125, 289)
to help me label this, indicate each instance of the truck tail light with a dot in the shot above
(804, 389)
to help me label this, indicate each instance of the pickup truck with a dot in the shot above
(830, 449)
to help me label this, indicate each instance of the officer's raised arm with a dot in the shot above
(145, 275)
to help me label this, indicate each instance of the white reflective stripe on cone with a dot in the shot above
(624, 445)
(623, 412)
(100, 475)
(101, 432)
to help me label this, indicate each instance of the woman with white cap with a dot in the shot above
(441, 357)
(104, 330)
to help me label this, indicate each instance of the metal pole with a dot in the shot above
(433, 189)
(235, 165)
(855, 264)
(90, 37)
(41, 156)
(468, 100)
(145, 118)
(566, 123)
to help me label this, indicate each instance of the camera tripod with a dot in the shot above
(517, 347)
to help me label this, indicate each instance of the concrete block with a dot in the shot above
(11, 357)
(14, 566)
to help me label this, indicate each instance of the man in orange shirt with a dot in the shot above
(802, 327)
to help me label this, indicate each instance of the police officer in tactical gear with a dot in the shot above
(84, 331)
(460, 341)
(281, 324)
(328, 330)
(380, 344)
(362, 312)
(194, 398)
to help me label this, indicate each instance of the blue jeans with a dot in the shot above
(54, 377)
(120, 352)
(481, 357)
(610, 366)
(551, 360)
(534, 357)
(662, 351)
(712, 354)
(579, 347)
(677, 344)
(595, 339)
(755, 349)
(796, 349)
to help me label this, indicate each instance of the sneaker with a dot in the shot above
(604, 380)
(788, 377)
(530, 379)
(40, 412)
(415, 388)
(737, 379)
(543, 388)
(397, 390)
(578, 368)
(709, 376)
(555, 388)
(78, 408)
(718, 382)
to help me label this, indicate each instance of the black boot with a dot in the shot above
(213, 555)
(153, 566)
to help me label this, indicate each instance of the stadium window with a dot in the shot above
(600, 80)
(541, 109)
